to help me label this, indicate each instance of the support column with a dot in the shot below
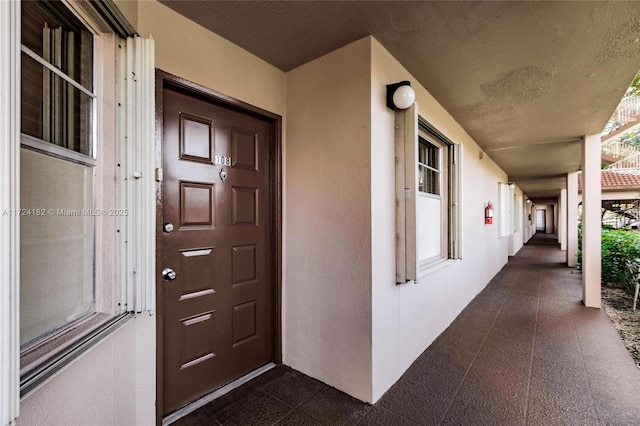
(591, 225)
(562, 219)
(572, 219)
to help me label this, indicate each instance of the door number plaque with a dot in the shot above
(221, 159)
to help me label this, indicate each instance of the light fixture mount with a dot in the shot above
(400, 97)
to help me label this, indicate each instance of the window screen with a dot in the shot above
(57, 77)
(57, 224)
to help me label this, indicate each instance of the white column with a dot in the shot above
(591, 204)
(572, 219)
(562, 219)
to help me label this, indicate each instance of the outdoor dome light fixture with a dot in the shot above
(400, 95)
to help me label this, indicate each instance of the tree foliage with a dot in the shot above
(632, 137)
(634, 88)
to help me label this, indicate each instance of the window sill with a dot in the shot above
(41, 361)
(432, 267)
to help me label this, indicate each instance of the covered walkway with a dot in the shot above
(525, 351)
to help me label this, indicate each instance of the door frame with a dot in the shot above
(164, 80)
(544, 220)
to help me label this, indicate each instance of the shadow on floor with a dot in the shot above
(524, 351)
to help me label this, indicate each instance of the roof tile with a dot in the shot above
(614, 179)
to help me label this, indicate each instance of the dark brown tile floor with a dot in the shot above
(524, 351)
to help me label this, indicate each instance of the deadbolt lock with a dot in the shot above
(167, 227)
(168, 274)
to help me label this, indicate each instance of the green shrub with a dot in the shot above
(620, 258)
(579, 263)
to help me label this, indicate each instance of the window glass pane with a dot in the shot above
(58, 37)
(432, 160)
(432, 180)
(431, 228)
(428, 167)
(53, 110)
(422, 151)
(56, 243)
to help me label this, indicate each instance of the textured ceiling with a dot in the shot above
(525, 79)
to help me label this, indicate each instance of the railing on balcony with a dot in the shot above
(630, 164)
(628, 109)
(619, 149)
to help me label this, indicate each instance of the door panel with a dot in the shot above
(217, 312)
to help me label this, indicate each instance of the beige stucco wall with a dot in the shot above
(190, 51)
(114, 382)
(345, 321)
(386, 333)
(129, 9)
(327, 243)
(407, 318)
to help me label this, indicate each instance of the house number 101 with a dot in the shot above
(221, 159)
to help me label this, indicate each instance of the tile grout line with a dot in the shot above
(486, 336)
(278, 399)
(262, 388)
(582, 357)
(361, 419)
(270, 395)
(300, 404)
(369, 410)
(533, 344)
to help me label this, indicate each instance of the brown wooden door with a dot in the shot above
(217, 312)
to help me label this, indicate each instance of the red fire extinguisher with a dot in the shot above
(488, 214)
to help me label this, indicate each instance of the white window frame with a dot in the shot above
(506, 209)
(88, 160)
(518, 212)
(95, 325)
(9, 201)
(450, 192)
(442, 197)
(408, 267)
(440, 169)
(133, 287)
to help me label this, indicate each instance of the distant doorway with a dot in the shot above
(541, 221)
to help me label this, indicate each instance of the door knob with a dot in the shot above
(168, 274)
